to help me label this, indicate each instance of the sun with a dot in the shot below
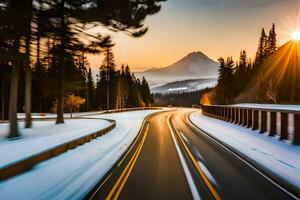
(296, 35)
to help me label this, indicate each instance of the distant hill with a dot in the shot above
(195, 65)
(185, 86)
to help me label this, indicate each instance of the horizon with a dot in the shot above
(158, 49)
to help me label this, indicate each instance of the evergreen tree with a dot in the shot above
(225, 88)
(272, 40)
(262, 51)
(242, 73)
(91, 91)
(145, 92)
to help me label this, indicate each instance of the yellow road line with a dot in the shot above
(119, 185)
(203, 176)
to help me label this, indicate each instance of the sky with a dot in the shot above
(215, 27)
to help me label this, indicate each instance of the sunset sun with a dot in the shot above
(296, 35)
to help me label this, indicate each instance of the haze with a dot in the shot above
(202, 25)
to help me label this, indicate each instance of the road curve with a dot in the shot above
(232, 177)
(172, 160)
(151, 169)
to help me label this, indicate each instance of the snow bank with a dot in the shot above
(44, 135)
(281, 158)
(72, 174)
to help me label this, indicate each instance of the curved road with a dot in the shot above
(171, 159)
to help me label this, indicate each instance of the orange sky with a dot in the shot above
(215, 27)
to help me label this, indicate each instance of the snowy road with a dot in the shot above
(164, 157)
(172, 160)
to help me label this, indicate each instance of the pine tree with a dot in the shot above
(225, 88)
(91, 91)
(272, 40)
(242, 73)
(262, 51)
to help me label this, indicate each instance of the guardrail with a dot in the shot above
(26, 164)
(258, 119)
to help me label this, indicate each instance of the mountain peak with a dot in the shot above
(194, 65)
(196, 55)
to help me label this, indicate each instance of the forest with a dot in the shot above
(43, 64)
(272, 77)
(184, 99)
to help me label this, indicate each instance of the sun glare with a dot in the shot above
(296, 35)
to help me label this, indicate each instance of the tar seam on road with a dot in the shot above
(240, 158)
(119, 185)
(199, 170)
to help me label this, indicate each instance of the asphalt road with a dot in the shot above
(170, 159)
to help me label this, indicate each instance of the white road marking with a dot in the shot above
(240, 158)
(188, 175)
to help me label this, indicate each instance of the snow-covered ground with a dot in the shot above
(44, 135)
(270, 106)
(53, 115)
(282, 158)
(72, 174)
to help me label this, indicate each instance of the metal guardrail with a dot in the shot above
(257, 119)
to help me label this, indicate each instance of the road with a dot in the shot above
(171, 159)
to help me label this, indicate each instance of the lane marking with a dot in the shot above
(201, 173)
(199, 130)
(119, 185)
(100, 186)
(188, 175)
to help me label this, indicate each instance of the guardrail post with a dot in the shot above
(236, 120)
(232, 115)
(241, 117)
(255, 120)
(249, 123)
(245, 117)
(228, 114)
(273, 123)
(283, 126)
(263, 121)
(296, 137)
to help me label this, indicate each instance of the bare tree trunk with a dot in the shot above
(28, 119)
(3, 99)
(60, 96)
(13, 101)
(107, 95)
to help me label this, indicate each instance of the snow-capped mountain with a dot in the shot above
(195, 65)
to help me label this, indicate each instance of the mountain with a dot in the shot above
(185, 86)
(195, 65)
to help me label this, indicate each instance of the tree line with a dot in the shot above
(241, 81)
(43, 47)
(184, 99)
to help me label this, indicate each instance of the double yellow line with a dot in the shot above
(119, 185)
(199, 170)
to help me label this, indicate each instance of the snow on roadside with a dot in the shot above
(72, 174)
(44, 135)
(282, 158)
